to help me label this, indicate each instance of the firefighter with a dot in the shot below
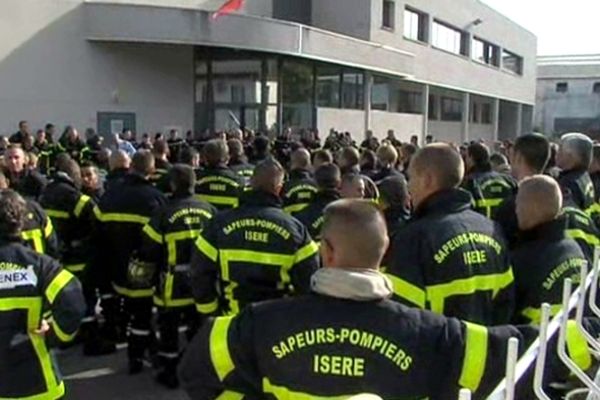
(119, 164)
(168, 240)
(488, 188)
(253, 253)
(162, 166)
(32, 286)
(238, 161)
(328, 179)
(217, 184)
(72, 214)
(123, 211)
(91, 183)
(544, 256)
(347, 337)
(38, 232)
(27, 182)
(574, 158)
(394, 203)
(387, 156)
(450, 259)
(530, 156)
(300, 187)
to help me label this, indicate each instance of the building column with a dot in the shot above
(495, 118)
(466, 117)
(519, 119)
(425, 112)
(367, 100)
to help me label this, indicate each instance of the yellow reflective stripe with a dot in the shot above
(255, 257)
(234, 305)
(74, 267)
(219, 347)
(294, 208)
(586, 237)
(83, 200)
(152, 234)
(172, 239)
(207, 308)
(48, 228)
(496, 182)
(133, 293)
(284, 393)
(173, 303)
(437, 294)
(121, 217)
(230, 395)
(408, 291)
(59, 214)
(475, 356)
(220, 200)
(61, 280)
(535, 314)
(60, 334)
(308, 250)
(35, 236)
(206, 248)
(33, 305)
(98, 213)
(578, 347)
(593, 209)
(488, 204)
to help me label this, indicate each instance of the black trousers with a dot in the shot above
(140, 336)
(169, 322)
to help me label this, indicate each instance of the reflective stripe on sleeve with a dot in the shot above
(121, 217)
(48, 228)
(535, 314)
(307, 251)
(61, 280)
(58, 214)
(578, 347)
(294, 208)
(219, 347)
(581, 235)
(153, 234)
(207, 308)
(220, 200)
(60, 334)
(408, 291)
(207, 249)
(475, 356)
(83, 200)
(230, 395)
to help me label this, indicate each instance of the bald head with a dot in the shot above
(300, 159)
(119, 160)
(539, 201)
(215, 152)
(387, 155)
(268, 177)
(341, 247)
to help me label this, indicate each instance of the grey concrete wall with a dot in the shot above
(445, 69)
(446, 131)
(481, 132)
(404, 125)
(349, 17)
(50, 73)
(352, 121)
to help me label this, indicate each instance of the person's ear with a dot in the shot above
(278, 188)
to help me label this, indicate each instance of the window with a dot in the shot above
(447, 38)
(432, 108)
(485, 53)
(414, 25)
(328, 86)
(596, 88)
(238, 94)
(475, 112)
(562, 87)
(409, 102)
(486, 113)
(451, 109)
(352, 90)
(512, 62)
(389, 14)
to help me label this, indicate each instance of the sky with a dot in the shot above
(562, 26)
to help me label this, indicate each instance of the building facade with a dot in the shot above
(455, 69)
(568, 95)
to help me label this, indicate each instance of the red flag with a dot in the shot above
(227, 8)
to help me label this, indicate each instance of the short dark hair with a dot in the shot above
(142, 162)
(535, 150)
(71, 168)
(323, 156)
(261, 144)
(480, 154)
(13, 211)
(182, 178)
(160, 147)
(215, 152)
(49, 126)
(187, 155)
(393, 190)
(328, 176)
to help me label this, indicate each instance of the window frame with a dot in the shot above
(421, 31)
(561, 87)
(461, 51)
(392, 15)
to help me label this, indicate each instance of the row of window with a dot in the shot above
(563, 87)
(448, 38)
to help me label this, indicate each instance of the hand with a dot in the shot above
(43, 329)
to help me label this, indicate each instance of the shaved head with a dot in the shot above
(434, 168)
(300, 159)
(341, 247)
(268, 177)
(119, 160)
(539, 200)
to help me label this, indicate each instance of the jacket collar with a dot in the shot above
(394, 215)
(553, 230)
(259, 198)
(297, 174)
(446, 202)
(573, 172)
(328, 195)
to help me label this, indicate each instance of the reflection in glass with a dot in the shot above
(297, 78)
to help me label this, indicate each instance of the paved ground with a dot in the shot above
(106, 378)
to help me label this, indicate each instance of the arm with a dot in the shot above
(204, 271)
(62, 293)
(306, 262)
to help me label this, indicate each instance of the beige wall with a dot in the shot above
(352, 121)
(404, 125)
